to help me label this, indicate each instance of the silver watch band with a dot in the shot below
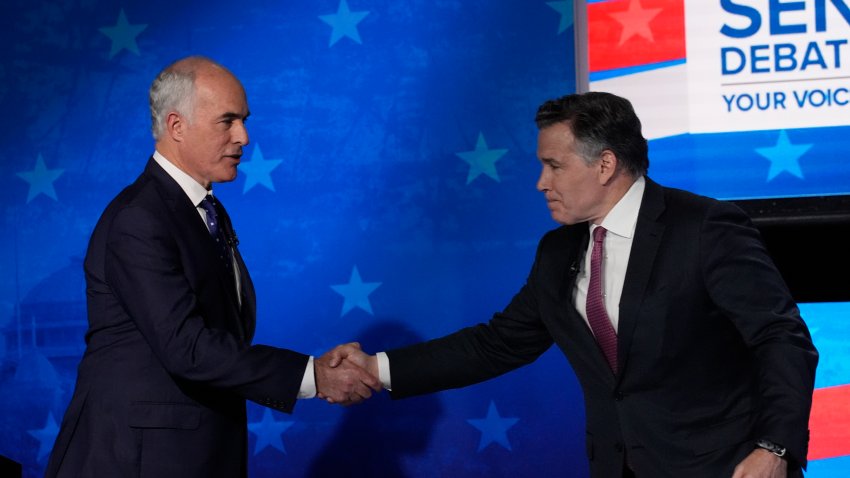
(768, 445)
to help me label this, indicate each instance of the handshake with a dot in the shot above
(346, 375)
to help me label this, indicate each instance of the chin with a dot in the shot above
(231, 176)
(225, 179)
(561, 219)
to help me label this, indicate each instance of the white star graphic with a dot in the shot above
(784, 156)
(482, 160)
(268, 432)
(344, 23)
(41, 179)
(493, 428)
(258, 170)
(356, 293)
(123, 35)
(635, 21)
(45, 436)
(565, 8)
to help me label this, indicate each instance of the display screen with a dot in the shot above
(829, 443)
(741, 99)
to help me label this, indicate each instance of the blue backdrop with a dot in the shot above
(388, 196)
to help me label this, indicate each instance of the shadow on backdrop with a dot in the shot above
(374, 438)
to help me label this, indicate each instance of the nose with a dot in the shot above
(543, 181)
(240, 133)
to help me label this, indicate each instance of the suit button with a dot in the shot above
(619, 396)
(618, 446)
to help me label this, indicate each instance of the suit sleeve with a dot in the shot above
(144, 270)
(744, 283)
(511, 339)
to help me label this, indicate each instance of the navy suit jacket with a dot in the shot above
(169, 363)
(712, 351)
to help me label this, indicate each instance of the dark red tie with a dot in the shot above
(604, 332)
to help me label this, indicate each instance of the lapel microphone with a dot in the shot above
(231, 238)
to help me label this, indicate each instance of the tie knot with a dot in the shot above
(208, 203)
(599, 234)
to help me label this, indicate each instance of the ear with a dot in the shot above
(607, 166)
(175, 126)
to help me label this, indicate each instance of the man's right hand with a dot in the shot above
(348, 381)
(356, 356)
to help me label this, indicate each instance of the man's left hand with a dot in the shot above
(761, 464)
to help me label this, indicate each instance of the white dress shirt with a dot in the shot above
(620, 222)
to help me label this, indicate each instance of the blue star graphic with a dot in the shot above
(45, 436)
(784, 156)
(356, 293)
(493, 428)
(268, 432)
(566, 11)
(41, 179)
(344, 23)
(258, 170)
(123, 35)
(482, 160)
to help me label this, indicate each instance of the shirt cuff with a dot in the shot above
(384, 370)
(308, 383)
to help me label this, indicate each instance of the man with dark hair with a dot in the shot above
(169, 363)
(692, 355)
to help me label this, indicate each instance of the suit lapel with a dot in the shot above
(248, 312)
(575, 242)
(584, 343)
(648, 234)
(189, 221)
(247, 301)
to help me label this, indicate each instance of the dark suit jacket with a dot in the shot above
(169, 363)
(712, 351)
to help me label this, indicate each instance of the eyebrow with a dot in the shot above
(233, 116)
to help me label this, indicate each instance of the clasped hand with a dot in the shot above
(346, 375)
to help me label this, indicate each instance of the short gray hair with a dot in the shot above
(172, 90)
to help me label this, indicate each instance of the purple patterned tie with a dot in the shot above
(606, 337)
(209, 205)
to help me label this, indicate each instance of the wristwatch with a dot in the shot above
(768, 445)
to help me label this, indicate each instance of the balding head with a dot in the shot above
(199, 109)
(173, 90)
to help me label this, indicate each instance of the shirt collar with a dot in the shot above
(622, 218)
(192, 188)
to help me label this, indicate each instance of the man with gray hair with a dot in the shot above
(169, 363)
